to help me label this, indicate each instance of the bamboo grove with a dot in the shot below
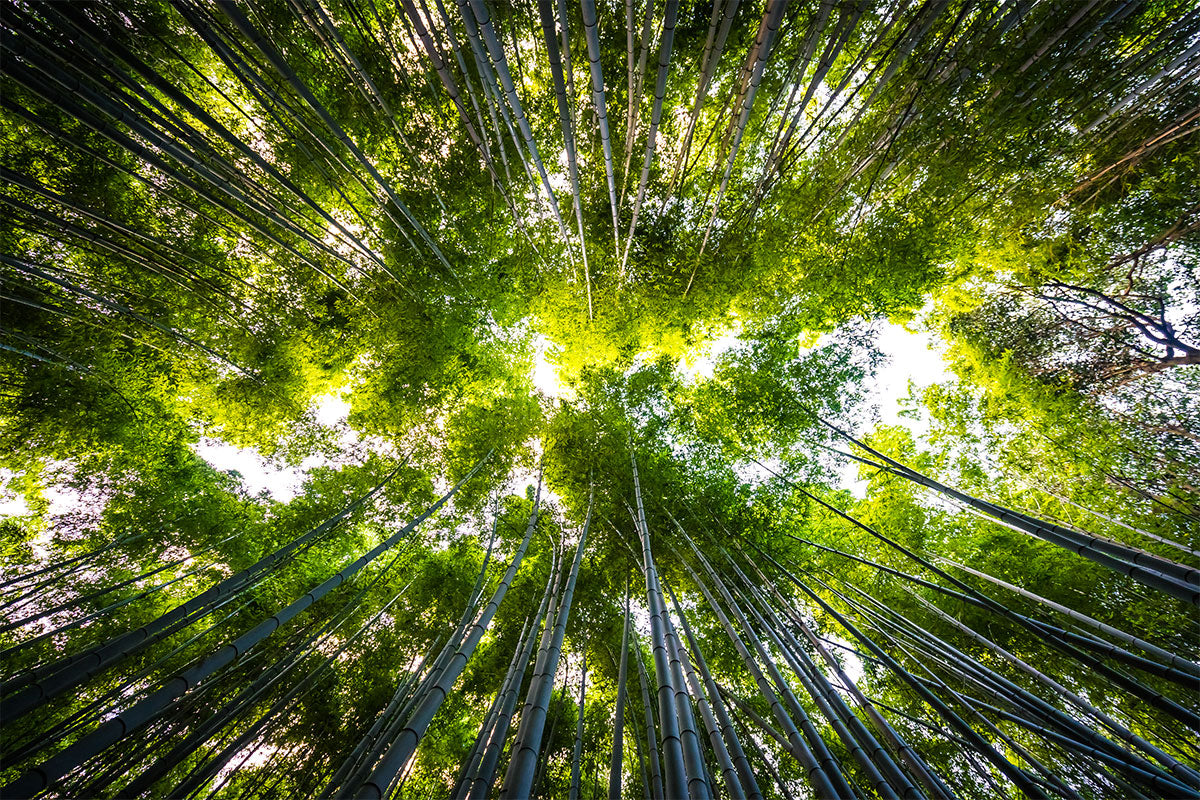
(669, 580)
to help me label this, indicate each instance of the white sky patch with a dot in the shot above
(852, 665)
(257, 473)
(912, 357)
(560, 181)
(60, 499)
(282, 483)
(12, 503)
(521, 479)
(64, 500)
(545, 373)
(702, 364)
(331, 409)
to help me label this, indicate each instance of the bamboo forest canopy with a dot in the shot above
(342, 237)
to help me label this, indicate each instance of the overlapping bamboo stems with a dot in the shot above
(615, 772)
(1008, 689)
(145, 710)
(277, 62)
(941, 705)
(1119, 730)
(699, 785)
(906, 41)
(816, 747)
(1176, 662)
(817, 768)
(240, 146)
(1067, 503)
(577, 750)
(477, 752)
(476, 135)
(400, 750)
(252, 72)
(676, 784)
(252, 75)
(110, 701)
(935, 651)
(37, 594)
(202, 159)
(408, 689)
(733, 744)
(544, 644)
(729, 773)
(1063, 641)
(452, 90)
(252, 83)
(1181, 671)
(408, 692)
(670, 17)
(272, 716)
(39, 271)
(482, 781)
(84, 240)
(1115, 765)
(133, 752)
(357, 764)
(548, 751)
(768, 767)
(73, 564)
(714, 46)
(456, 49)
(642, 771)
(1152, 777)
(755, 717)
(328, 31)
(171, 163)
(1128, 684)
(493, 96)
(793, 114)
(1025, 667)
(878, 150)
(90, 597)
(1185, 59)
(979, 744)
(588, 9)
(147, 252)
(470, 767)
(270, 676)
(763, 43)
(483, 19)
(915, 763)
(31, 689)
(566, 116)
(788, 150)
(1178, 580)
(636, 83)
(518, 781)
(1177, 668)
(651, 738)
(629, 36)
(872, 758)
(1145, 49)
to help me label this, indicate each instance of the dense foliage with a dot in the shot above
(343, 237)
